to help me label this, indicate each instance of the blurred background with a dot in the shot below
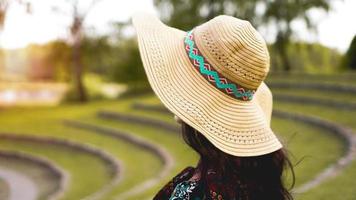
(78, 119)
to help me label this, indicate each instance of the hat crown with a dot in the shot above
(235, 49)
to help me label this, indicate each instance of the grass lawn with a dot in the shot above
(46, 182)
(79, 165)
(33, 122)
(325, 149)
(172, 143)
(342, 186)
(140, 165)
(344, 117)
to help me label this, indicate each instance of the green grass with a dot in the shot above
(134, 172)
(340, 187)
(141, 165)
(32, 122)
(131, 157)
(172, 143)
(45, 180)
(79, 164)
(344, 117)
(325, 149)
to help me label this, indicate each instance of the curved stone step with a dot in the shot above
(315, 101)
(312, 77)
(111, 162)
(345, 133)
(156, 108)
(123, 117)
(57, 172)
(165, 157)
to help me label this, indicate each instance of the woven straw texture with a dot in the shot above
(240, 128)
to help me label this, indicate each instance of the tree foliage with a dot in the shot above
(307, 58)
(117, 59)
(128, 68)
(97, 54)
(49, 61)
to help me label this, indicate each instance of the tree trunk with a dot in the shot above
(285, 59)
(78, 72)
(282, 45)
(212, 11)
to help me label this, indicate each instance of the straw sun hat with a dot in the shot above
(212, 78)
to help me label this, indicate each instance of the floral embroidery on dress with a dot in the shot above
(215, 196)
(183, 190)
(185, 187)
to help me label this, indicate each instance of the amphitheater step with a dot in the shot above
(162, 154)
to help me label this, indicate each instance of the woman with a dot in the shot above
(211, 79)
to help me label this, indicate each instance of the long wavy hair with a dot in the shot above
(252, 178)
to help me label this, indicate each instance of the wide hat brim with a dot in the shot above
(236, 127)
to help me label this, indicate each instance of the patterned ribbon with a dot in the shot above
(209, 73)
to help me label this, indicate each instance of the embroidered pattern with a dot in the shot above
(183, 190)
(215, 196)
(182, 187)
(209, 73)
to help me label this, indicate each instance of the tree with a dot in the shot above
(349, 60)
(282, 13)
(186, 14)
(76, 37)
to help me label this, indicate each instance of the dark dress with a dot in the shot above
(185, 186)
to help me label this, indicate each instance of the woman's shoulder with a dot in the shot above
(182, 177)
(185, 174)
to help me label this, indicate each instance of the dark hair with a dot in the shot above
(252, 178)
